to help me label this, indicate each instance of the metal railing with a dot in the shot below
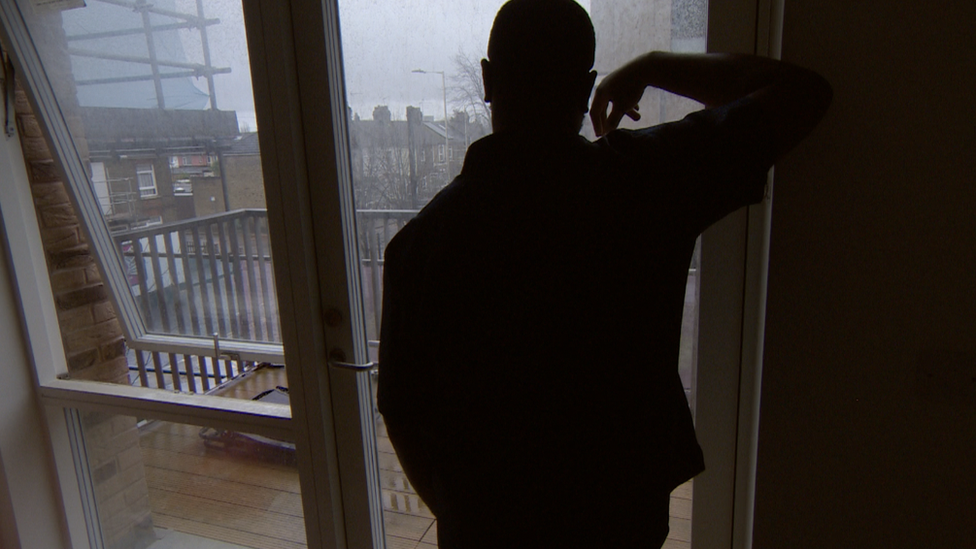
(184, 373)
(212, 277)
(376, 229)
(204, 276)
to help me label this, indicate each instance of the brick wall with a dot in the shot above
(93, 341)
(247, 190)
(119, 477)
(90, 330)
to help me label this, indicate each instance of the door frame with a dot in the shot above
(734, 260)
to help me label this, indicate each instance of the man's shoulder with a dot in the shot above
(430, 222)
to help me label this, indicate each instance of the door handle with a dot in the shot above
(366, 367)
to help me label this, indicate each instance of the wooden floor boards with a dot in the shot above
(249, 498)
(247, 493)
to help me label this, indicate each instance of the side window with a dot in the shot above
(146, 176)
(168, 173)
(100, 185)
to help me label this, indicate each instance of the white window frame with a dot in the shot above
(101, 187)
(734, 261)
(30, 339)
(144, 171)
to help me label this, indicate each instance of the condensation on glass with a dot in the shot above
(157, 96)
(157, 484)
(415, 104)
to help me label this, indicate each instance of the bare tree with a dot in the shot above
(381, 158)
(467, 90)
(385, 174)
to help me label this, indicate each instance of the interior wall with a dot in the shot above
(29, 497)
(868, 426)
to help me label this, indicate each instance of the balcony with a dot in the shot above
(211, 279)
(247, 492)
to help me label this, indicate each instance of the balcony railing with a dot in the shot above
(212, 277)
(204, 276)
(376, 229)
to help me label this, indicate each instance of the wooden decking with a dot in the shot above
(409, 524)
(246, 492)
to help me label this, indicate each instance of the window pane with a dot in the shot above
(162, 485)
(146, 176)
(158, 99)
(415, 103)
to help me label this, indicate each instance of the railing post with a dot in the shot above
(374, 275)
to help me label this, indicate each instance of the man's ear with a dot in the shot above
(487, 79)
(587, 89)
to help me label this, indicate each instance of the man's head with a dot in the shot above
(538, 69)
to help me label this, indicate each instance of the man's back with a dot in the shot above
(532, 311)
(532, 320)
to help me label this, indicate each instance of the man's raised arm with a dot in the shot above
(792, 99)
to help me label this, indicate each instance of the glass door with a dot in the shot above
(414, 103)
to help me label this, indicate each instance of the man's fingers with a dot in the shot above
(596, 119)
(616, 115)
(598, 113)
(604, 124)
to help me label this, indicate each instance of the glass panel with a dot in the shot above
(161, 485)
(158, 99)
(415, 104)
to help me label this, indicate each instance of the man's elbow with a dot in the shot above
(796, 105)
(819, 94)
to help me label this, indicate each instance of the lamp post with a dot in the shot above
(447, 140)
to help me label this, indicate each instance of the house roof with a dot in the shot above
(438, 128)
(365, 133)
(243, 145)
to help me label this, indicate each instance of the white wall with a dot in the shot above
(868, 427)
(30, 506)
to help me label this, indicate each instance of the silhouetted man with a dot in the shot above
(532, 311)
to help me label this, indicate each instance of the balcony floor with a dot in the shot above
(246, 493)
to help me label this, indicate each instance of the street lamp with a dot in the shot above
(447, 140)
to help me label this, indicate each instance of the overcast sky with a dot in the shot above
(382, 40)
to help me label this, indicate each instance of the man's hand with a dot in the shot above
(624, 88)
(790, 99)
